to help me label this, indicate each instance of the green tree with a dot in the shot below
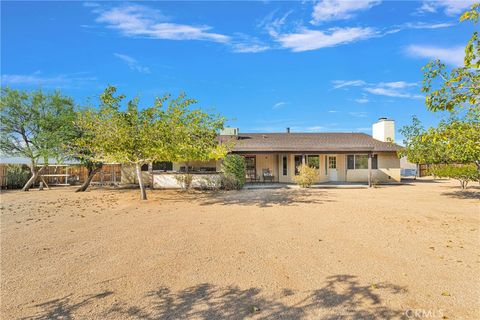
(417, 149)
(233, 168)
(457, 137)
(140, 136)
(463, 173)
(81, 146)
(194, 131)
(35, 125)
(459, 87)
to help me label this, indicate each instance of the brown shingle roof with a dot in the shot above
(308, 142)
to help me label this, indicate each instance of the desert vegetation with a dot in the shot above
(454, 143)
(45, 126)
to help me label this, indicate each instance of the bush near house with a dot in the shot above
(463, 173)
(233, 168)
(306, 176)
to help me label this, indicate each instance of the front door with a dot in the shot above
(332, 168)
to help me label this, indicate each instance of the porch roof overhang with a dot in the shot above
(333, 151)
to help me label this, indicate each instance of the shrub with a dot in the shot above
(185, 180)
(16, 175)
(463, 173)
(233, 168)
(306, 176)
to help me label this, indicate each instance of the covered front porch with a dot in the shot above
(282, 167)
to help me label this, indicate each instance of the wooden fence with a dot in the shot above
(64, 175)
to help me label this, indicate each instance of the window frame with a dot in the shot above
(313, 156)
(165, 166)
(295, 157)
(332, 163)
(285, 165)
(374, 161)
(249, 169)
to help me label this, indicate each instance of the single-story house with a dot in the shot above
(275, 157)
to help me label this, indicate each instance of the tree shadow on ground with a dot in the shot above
(64, 308)
(267, 197)
(342, 297)
(463, 194)
(408, 181)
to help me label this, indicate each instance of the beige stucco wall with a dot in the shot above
(267, 161)
(388, 170)
(322, 177)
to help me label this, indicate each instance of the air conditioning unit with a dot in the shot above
(229, 131)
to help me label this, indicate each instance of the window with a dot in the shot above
(360, 161)
(250, 165)
(298, 163)
(332, 162)
(313, 161)
(184, 169)
(145, 167)
(350, 162)
(284, 165)
(163, 166)
(326, 165)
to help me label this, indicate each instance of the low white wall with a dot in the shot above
(172, 181)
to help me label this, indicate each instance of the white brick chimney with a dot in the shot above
(384, 130)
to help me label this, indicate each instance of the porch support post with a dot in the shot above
(369, 170)
(303, 159)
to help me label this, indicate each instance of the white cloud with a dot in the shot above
(453, 55)
(396, 89)
(449, 7)
(391, 92)
(358, 114)
(132, 63)
(332, 111)
(273, 24)
(424, 25)
(316, 128)
(141, 21)
(347, 83)
(307, 39)
(279, 104)
(328, 10)
(249, 47)
(398, 84)
(247, 44)
(362, 100)
(38, 80)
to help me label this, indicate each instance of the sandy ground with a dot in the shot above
(409, 251)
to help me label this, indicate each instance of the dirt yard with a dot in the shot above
(410, 251)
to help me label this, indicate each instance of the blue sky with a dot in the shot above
(324, 66)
